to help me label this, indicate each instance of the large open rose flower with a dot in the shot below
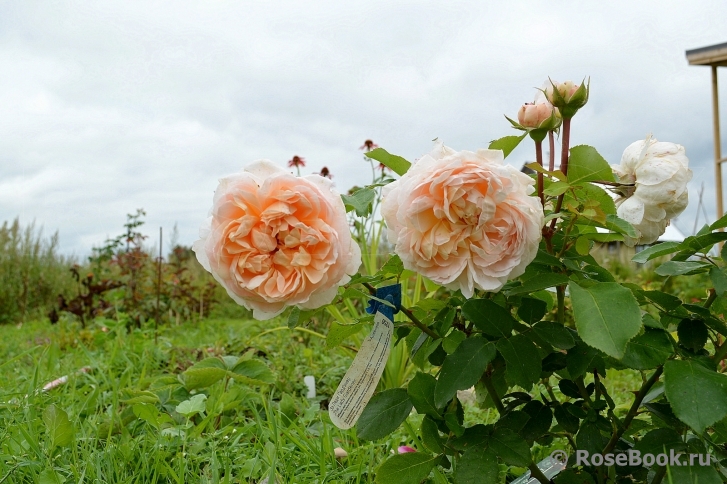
(275, 240)
(465, 220)
(659, 172)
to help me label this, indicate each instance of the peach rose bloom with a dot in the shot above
(465, 220)
(275, 240)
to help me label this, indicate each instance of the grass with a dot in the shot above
(244, 435)
(123, 413)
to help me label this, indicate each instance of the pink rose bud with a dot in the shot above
(568, 96)
(533, 115)
(565, 90)
(405, 449)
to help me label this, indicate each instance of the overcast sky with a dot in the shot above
(106, 107)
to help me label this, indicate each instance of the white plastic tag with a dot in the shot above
(359, 383)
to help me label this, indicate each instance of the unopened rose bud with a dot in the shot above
(567, 96)
(533, 115)
(405, 449)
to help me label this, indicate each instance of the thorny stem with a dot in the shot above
(487, 381)
(536, 473)
(551, 142)
(659, 475)
(710, 299)
(563, 166)
(549, 389)
(539, 159)
(633, 410)
(580, 383)
(560, 291)
(408, 313)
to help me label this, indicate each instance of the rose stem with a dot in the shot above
(408, 313)
(539, 159)
(633, 410)
(563, 165)
(551, 142)
(536, 473)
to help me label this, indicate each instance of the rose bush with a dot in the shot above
(513, 303)
(463, 219)
(659, 173)
(275, 240)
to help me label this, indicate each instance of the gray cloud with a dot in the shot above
(108, 107)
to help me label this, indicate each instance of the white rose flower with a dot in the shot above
(659, 172)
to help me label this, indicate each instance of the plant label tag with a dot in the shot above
(359, 383)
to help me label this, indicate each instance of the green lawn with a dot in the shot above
(122, 419)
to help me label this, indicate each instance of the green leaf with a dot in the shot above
(339, 332)
(510, 447)
(555, 334)
(541, 418)
(666, 301)
(506, 144)
(569, 388)
(361, 201)
(719, 223)
(476, 466)
(677, 268)
(421, 393)
(298, 316)
(658, 250)
(700, 243)
(463, 368)
(489, 317)
(397, 164)
(58, 426)
(583, 245)
(607, 316)
(453, 340)
(383, 414)
(565, 419)
(692, 334)
(588, 192)
(392, 267)
(660, 441)
(589, 438)
(522, 359)
(698, 396)
(545, 259)
(194, 405)
(582, 358)
(141, 397)
(409, 468)
(612, 223)
(541, 281)
(253, 372)
(586, 164)
(50, 476)
(148, 413)
(649, 350)
(719, 280)
(695, 474)
(203, 374)
(430, 435)
(532, 310)
(557, 188)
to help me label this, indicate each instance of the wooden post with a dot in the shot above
(159, 286)
(717, 143)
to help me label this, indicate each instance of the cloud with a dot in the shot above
(109, 107)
